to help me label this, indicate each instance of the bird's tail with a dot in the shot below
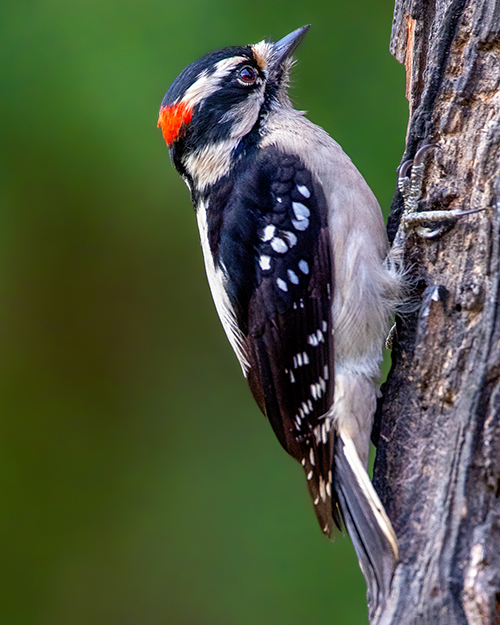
(366, 521)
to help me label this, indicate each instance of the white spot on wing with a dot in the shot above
(303, 224)
(304, 267)
(265, 262)
(314, 391)
(268, 233)
(282, 284)
(312, 340)
(322, 490)
(279, 245)
(301, 211)
(290, 237)
(303, 190)
(317, 433)
(293, 277)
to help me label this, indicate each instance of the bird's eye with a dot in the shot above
(247, 75)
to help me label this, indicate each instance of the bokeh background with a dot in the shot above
(139, 484)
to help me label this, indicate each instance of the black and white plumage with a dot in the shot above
(294, 246)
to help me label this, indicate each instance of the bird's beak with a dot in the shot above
(285, 47)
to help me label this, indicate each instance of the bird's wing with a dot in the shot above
(285, 311)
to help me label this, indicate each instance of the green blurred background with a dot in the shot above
(139, 484)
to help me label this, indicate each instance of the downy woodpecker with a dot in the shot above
(295, 253)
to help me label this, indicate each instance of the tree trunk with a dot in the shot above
(438, 429)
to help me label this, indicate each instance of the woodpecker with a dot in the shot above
(295, 251)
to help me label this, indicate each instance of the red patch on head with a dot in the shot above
(172, 119)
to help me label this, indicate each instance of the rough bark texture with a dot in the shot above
(438, 434)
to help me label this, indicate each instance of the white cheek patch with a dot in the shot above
(245, 114)
(211, 163)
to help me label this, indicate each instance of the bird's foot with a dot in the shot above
(410, 187)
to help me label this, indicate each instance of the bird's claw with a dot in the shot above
(416, 164)
(410, 186)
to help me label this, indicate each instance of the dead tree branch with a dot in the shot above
(438, 431)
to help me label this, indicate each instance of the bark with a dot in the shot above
(438, 431)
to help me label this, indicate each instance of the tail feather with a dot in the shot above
(366, 521)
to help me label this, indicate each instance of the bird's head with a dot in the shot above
(223, 96)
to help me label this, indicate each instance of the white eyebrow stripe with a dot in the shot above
(206, 83)
(226, 65)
